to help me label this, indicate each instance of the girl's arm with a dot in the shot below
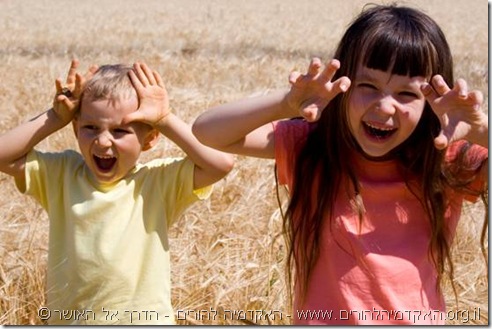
(459, 111)
(210, 165)
(244, 127)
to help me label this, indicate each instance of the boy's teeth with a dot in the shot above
(104, 162)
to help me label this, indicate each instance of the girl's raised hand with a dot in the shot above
(311, 92)
(66, 101)
(459, 111)
(152, 96)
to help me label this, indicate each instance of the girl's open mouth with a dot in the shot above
(378, 132)
(104, 163)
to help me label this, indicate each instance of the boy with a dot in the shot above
(109, 216)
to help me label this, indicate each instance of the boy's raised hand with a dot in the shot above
(311, 92)
(458, 110)
(152, 96)
(66, 101)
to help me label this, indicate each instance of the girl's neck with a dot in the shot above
(380, 169)
(387, 157)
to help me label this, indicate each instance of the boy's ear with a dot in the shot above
(150, 139)
(74, 126)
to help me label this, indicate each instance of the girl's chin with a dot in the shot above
(377, 157)
(376, 154)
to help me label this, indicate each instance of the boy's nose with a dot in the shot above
(103, 140)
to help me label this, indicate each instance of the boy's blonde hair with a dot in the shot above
(110, 82)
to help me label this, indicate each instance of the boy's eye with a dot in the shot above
(89, 127)
(121, 131)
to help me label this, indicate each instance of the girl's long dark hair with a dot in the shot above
(403, 41)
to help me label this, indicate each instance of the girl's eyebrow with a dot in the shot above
(367, 76)
(364, 76)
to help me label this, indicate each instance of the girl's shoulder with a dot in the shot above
(466, 156)
(463, 168)
(290, 137)
(294, 129)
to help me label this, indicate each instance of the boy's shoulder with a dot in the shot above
(172, 170)
(167, 165)
(161, 162)
(67, 156)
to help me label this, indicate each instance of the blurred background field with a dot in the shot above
(227, 252)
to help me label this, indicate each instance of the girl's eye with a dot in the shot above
(366, 85)
(408, 94)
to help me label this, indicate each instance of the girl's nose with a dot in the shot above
(385, 106)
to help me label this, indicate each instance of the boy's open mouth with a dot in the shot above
(104, 163)
(378, 132)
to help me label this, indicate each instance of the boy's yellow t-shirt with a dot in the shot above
(108, 257)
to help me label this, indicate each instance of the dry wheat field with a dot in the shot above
(227, 252)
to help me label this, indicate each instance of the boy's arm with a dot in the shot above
(244, 127)
(17, 142)
(210, 165)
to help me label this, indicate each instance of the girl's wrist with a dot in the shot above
(288, 109)
(480, 133)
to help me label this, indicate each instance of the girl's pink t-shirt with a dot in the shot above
(380, 273)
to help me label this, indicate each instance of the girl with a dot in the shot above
(377, 168)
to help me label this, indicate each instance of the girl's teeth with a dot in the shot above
(379, 132)
(380, 128)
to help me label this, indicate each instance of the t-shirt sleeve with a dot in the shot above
(176, 184)
(37, 175)
(289, 136)
(464, 162)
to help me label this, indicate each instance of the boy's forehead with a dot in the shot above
(108, 107)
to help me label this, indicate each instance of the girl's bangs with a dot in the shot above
(403, 55)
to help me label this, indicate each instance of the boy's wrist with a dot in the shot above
(55, 119)
(164, 122)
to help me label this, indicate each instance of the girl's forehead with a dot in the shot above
(364, 72)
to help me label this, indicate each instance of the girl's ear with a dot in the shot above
(150, 139)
